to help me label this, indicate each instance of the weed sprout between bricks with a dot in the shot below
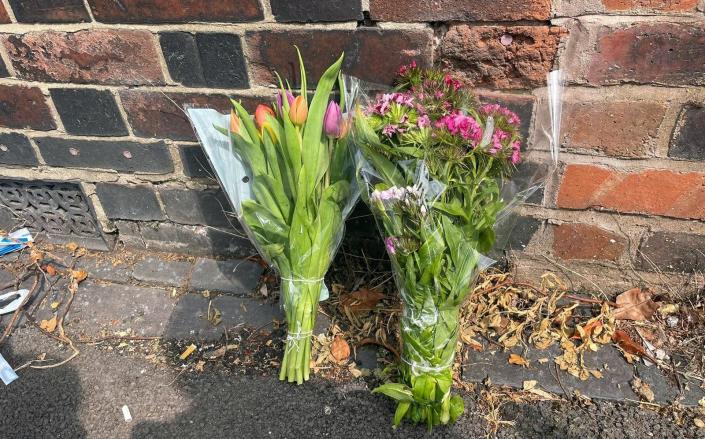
(290, 177)
(434, 165)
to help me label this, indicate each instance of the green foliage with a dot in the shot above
(301, 183)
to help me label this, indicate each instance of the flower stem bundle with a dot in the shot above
(433, 162)
(301, 183)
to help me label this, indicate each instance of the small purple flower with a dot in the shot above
(424, 121)
(389, 244)
(280, 101)
(390, 130)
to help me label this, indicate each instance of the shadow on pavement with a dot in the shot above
(39, 404)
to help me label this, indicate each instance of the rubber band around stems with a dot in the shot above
(426, 369)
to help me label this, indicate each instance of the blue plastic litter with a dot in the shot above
(16, 240)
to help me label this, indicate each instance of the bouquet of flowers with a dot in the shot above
(433, 162)
(290, 177)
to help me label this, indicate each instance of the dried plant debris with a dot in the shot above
(510, 314)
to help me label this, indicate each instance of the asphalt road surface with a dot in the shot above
(84, 399)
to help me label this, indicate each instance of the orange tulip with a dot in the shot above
(234, 123)
(298, 111)
(261, 115)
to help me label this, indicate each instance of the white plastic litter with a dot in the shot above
(16, 302)
(15, 241)
(126, 413)
(7, 373)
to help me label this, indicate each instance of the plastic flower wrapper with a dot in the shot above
(290, 177)
(434, 166)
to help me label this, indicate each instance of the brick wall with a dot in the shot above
(91, 91)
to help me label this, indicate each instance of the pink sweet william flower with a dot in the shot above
(390, 130)
(389, 244)
(516, 152)
(497, 137)
(465, 126)
(423, 121)
(497, 109)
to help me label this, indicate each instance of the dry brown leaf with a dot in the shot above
(199, 366)
(518, 360)
(361, 300)
(642, 389)
(48, 325)
(51, 271)
(72, 246)
(340, 349)
(635, 304)
(699, 423)
(79, 275)
(530, 386)
(624, 341)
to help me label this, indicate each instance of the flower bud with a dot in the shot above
(234, 123)
(298, 111)
(261, 114)
(280, 101)
(332, 120)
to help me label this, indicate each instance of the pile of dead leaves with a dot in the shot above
(509, 314)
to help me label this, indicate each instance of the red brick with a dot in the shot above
(583, 241)
(663, 53)
(477, 54)
(650, 5)
(175, 11)
(4, 16)
(159, 115)
(89, 56)
(657, 192)
(617, 128)
(459, 10)
(371, 54)
(24, 107)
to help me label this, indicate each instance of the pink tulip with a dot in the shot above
(332, 121)
(280, 101)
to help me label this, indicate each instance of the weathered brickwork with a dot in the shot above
(95, 91)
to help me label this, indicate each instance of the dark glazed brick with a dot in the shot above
(370, 54)
(304, 11)
(49, 11)
(182, 58)
(175, 11)
(672, 251)
(15, 149)
(194, 240)
(195, 162)
(119, 156)
(24, 107)
(4, 73)
(222, 60)
(129, 202)
(196, 207)
(207, 59)
(689, 137)
(521, 232)
(85, 111)
(159, 115)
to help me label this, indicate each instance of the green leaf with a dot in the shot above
(312, 147)
(396, 391)
(402, 409)
(457, 407)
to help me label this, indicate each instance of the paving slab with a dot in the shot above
(159, 271)
(112, 307)
(189, 321)
(119, 272)
(236, 276)
(615, 384)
